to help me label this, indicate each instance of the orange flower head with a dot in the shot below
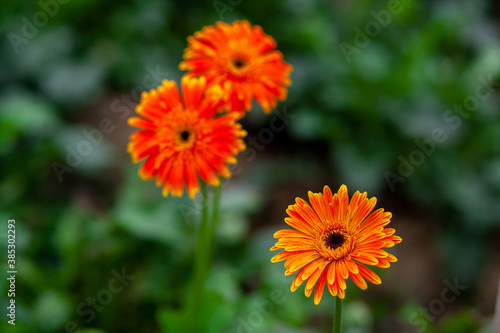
(334, 240)
(241, 59)
(180, 139)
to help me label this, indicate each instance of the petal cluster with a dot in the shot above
(241, 59)
(332, 240)
(181, 138)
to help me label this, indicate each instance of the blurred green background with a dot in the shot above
(396, 98)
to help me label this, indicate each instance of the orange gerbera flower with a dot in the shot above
(242, 60)
(180, 139)
(334, 238)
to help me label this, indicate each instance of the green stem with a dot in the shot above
(213, 221)
(203, 257)
(201, 266)
(202, 233)
(337, 318)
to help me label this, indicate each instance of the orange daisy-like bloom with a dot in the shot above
(180, 139)
(241, 59)
(333, 240)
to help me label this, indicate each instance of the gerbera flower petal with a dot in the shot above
(281, 256)
(332, 288)
(175, 179)
(181, 140)
(296, 221)
(291, 234)
(242, 60)
(339, 277)
(313, 278)
(369, 275)
(359, 281)
(299, 260)
(396, 239)
(341, 293)
(332, 240)
(297, 281)
(379, 218)
(196, 89)
(305, 273)
(191, 178)
(317, 203)
(141, 123)
(164, 170)
(147, 170)
(310, 269)
(320, 287)
(307, 213)
(364, 258)
(343, 202)
(391, 258)
(351, 267)
(143, 148)
(359, 208)
(331, 273)
(383, 263)
(342, 269)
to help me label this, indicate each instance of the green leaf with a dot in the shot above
(170, 320)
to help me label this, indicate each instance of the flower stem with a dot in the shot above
(213, 221)
(201, 260)
(202, 233)
(201, 266)
(337, 318)
(203, 256)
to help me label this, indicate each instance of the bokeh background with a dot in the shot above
(396, 98)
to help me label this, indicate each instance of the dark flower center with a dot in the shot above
(185, 135)
(239, 63)
(335, 240)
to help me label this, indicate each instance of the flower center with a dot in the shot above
(239, 63)
(335, 239)
(185, 137)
